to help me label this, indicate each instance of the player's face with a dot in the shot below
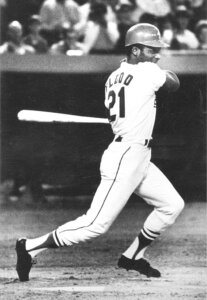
(15, 34)
(150, 54)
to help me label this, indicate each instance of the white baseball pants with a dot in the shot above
(125, 169)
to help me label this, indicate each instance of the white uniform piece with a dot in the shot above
(125, 166)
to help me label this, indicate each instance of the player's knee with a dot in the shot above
(174, 208)
(178, 206)
(100, 228)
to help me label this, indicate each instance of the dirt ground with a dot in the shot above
(88, 271)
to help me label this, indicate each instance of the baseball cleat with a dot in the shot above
(24, 260)
(141, 265)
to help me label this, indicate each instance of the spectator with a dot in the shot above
(183, 37)
(167, 29)
(128, 11)
(199, 8)
(158, 8)
(101, 33)
(85, 10)
(15, 41)
(21, 10)
(201, 32)
(34, 38)
(57, 15)
(128, 14)
(149, 18)
(69, 45)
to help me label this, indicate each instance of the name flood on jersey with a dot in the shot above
(119, 78)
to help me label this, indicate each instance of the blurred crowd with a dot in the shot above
(80, 27)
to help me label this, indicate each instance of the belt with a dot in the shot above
(146, 142)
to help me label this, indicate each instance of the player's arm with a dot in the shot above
(172, 82)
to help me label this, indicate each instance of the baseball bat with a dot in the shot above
(49, 117)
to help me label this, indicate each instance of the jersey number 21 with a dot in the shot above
(112, 98)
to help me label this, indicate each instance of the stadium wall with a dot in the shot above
(69, 154)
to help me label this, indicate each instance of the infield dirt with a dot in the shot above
(89, 271)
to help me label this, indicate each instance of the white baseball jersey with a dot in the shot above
(125, 165)
(131, 101)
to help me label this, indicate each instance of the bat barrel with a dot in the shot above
(43, 116)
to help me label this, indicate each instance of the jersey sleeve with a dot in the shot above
(155, 75)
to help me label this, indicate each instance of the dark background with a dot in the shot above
(69, 154)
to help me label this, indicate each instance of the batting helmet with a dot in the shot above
(144, 34)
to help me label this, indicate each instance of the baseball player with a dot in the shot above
(125, 165)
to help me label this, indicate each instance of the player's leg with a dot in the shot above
(110, 197)
(157, 191)
(96, 221)
(117, 184)
(120, 175)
